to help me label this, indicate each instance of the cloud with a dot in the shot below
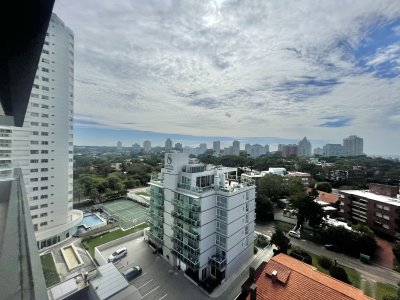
(336, 122)
(237, 68)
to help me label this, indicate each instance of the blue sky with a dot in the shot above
(258, 71)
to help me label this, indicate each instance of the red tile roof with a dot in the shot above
(328, 197)
(300, 281)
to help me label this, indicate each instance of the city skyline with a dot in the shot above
(227, 76)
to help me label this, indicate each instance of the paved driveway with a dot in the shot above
(159, 280)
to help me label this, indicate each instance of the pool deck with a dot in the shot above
(103, 221)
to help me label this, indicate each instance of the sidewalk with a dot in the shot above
(262, 255)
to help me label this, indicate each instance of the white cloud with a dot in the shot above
(140, 64)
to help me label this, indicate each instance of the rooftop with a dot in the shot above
(369, 195)
(292, 276)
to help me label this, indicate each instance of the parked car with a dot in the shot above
(295, 234)
(132, 273)
(118, 254)
(332, 247)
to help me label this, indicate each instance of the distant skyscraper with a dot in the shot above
(147, 146)
(236, 148)
(136, 148)
(266, 149)
(304, 147)
(168, 145)
(318, 151)
(119, 145)
(202, 148)
(333, 150)
(247, 148)
(353, 146)
(217, 147)
(280, 146)
(255, 150)
(178, 147)
(289, 150)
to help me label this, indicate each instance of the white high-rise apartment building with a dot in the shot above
(146, 146)
(217, 147)
(304, 148)
(353, 146)
(43, 147)
(202, 217)
(168, 145)
(236, 148)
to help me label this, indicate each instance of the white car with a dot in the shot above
(295, 234)
(118, 254)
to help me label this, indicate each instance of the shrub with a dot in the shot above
(301, 255)
(262, 241)
(339, 273)
(325, 262)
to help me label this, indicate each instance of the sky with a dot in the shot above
(260, 71)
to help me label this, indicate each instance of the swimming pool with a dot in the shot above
(92, 221)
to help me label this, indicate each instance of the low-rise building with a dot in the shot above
(378, 207)
(305, 178)
(285, 277)
(202, 217)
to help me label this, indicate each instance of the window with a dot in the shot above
(34, 217)
(45, 88)
(34, 142)
(45, 79)
(34, 124)
(43, 215)
(45, 142)
(44, 160)
(46, 43)
(34, 95)
(34, 114)
(36, 86)
(43, 223)
(45, 124)
(35, 197)
(386, 226)
(33, 207)
(246, 230)
(222, 215)
(34, 151)
(45, 60)
(45, 106)
(34, 161)
(44, 152)
(221, 228)
(34, 170)
(221, 201)
(386, 217)
(247, 206)
(44, 169)
(220, 240)
(35, 189)
(44, 188)
(44, 178)
(35, 132)
(386, 208)
(34, 104)
(45, 51)
(44, 97)
(45, 70)
(45, 115)
(34, 179)
(44, 133)
(44, 197)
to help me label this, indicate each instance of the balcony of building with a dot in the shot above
(156, 224)
(187, 206)
(156, 203)
(191, 246)
(157, 178)
(156, 213)
(190, 260)
(190, 233)
(155, 235)
(193, 221)
(218, 262)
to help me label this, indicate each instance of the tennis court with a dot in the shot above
(129, 213)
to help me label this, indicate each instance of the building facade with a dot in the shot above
(146, 146)
(202, 217)
(168, 145)
(43, 147)
(236, 148)
(378, 207)
(304, 148)
(136, 148)
(353, 146)
(333, 150)
(289, 150)
(217, 147)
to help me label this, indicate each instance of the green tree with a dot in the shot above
(293, 186)
(324, 187)
(264, 210)
(271, 187)
(280, 240)
(307, 210)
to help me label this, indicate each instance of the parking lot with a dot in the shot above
(159, 280)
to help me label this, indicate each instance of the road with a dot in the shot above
(372, 272)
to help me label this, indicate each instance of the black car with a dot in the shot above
(132, 273)
(332, 247)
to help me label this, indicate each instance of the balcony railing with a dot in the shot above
(157, 178)
(191, 261)
(218, 262)
(155, 236)
(191, 221)
(156, 224)
(187, 206)
(156, 204)
(157, 214)
(188, 233)
(194, 249)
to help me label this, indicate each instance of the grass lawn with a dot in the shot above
(49, 270)
(91, 243)
(383, 289)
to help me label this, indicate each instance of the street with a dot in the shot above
(373, 272)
